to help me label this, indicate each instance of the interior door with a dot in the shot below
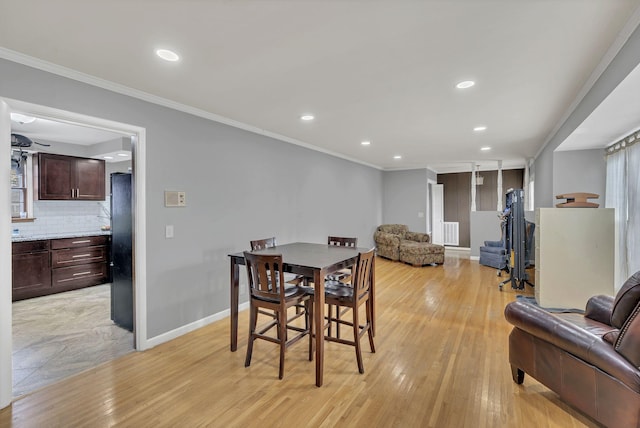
(437, 213)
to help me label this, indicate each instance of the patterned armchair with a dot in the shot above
(389, 236)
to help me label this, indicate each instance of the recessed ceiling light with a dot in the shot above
(307, 117)
(123, 154)
(22, 118)
(465, 84)
(366, 143)
(485, 149)
(397, 157)
(107, 157)
(480, 128)
(167, 55)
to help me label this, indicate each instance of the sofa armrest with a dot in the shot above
(599, 309)
(572, 339)
(417, 236)
(493, 244)
(384, 238)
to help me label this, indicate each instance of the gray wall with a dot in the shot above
(580, 171)
(404, 198)
(239, 186)
(624, 62)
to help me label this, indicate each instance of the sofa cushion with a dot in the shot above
(417, 237)
(394, 229)
(626, 300)
(628, 341)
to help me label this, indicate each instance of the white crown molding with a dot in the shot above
(69, 73)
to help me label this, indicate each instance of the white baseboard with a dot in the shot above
(474, 258)
(170, 335)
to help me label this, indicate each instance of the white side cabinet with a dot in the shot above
(575, 255)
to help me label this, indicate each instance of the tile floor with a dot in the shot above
(60, 335)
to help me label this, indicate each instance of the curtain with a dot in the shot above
(633, 208)
(616, 197)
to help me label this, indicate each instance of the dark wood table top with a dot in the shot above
(315, 256)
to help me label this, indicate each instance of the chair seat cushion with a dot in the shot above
(340, 291)
(290, 291)
(339, 275)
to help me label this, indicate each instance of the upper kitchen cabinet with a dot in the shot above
(59, 177)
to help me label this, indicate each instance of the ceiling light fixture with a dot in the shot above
(22, 118)
(465, 84)
(123, 154)
(167, 55)
(307, 117)
(366, 143)
(107, 157)
(480, 128)
(485, 149)
(397, 157)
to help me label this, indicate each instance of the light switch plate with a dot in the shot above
(168, 231)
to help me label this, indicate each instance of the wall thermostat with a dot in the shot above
(174, 199)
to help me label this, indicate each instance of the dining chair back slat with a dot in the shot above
(342, 241)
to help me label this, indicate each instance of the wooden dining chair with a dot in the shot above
(267, 290)
(289, 278)
(358, 294)
(260, 244)
(343, 274)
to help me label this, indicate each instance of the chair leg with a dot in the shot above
(338, 321)
(253, 319)
(309, 321)
(329, 317)
(368, 309)
(282, 328)
(356, 339)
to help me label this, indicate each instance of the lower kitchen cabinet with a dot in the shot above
(79, 262)
(56, 265)
(31, 267)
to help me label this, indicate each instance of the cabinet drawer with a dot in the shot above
(84, 241)
(29, 247)
(78, 256)
(79, 276)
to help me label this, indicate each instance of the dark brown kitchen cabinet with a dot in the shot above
(60, 177)
(79, 262)
(56, 265)
(31, 269)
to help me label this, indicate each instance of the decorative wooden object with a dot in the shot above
(577, 200)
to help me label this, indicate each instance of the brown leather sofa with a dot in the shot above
(590, 360)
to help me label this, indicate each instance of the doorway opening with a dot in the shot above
(96, 299)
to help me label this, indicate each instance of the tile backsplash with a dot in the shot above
(55, 217)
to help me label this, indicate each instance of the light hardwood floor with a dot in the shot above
(441, 361)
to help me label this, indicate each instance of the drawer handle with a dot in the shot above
(81, 242)
(80, 255)
(82, 273)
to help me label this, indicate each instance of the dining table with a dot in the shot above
(314, 262)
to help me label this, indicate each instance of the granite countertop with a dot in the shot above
(22, 238)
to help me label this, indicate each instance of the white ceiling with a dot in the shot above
(383, 71)
(52, 130)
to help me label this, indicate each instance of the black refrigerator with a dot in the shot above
(121, 250)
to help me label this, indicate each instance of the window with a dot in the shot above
(21, 189)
